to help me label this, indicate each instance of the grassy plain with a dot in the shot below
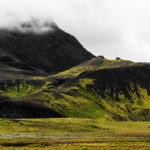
(72, 134)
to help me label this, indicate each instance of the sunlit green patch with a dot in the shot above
(94, 64)
(22, 88)
(19, 91)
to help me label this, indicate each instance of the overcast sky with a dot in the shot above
(105, 27)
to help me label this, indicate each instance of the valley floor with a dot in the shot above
(72, 134)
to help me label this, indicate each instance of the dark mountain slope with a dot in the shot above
(21, 109)
(49, 52)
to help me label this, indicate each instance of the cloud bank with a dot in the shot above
(105, 27)
(34, 25)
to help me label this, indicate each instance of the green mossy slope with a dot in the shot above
(111, 90)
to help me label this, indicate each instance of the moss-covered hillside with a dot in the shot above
(99, 88)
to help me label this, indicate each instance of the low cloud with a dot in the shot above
(33, 25)
(105, 27)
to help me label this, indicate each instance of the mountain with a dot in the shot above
(29, 52)
(46, 72)
(102, 88)
(22, 49)
(98, 88)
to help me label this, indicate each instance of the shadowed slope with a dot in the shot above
(40, 52)
(22, 109)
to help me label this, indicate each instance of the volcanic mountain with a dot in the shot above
(39, 48)
(72, 81)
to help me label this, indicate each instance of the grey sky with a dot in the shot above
(105, 27)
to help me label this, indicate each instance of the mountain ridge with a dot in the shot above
(52, 75)
(110, 92)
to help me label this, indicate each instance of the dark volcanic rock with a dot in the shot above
(51, 51)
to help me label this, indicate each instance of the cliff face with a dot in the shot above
(122, 80)
(48, 52)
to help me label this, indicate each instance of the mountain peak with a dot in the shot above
(29, 49)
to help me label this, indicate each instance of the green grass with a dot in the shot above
(73, 125)
(72, 134)
(113, 143)
(20, 91)
(21, 88)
